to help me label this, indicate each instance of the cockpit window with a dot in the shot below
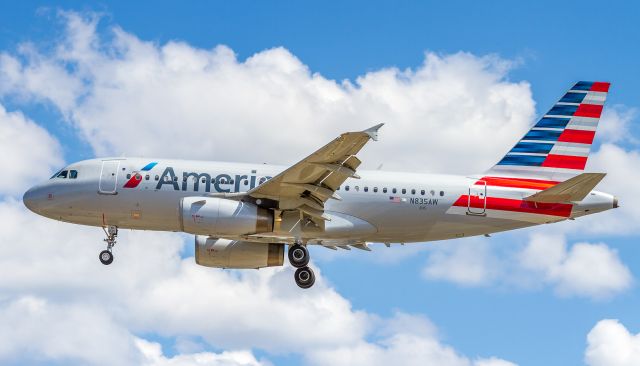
(63, 174)
(55, 174)
(73, 174)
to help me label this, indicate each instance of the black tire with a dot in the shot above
(298, 255)
(106, 257)
(305, 277)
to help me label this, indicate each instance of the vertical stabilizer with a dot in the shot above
(558, 146)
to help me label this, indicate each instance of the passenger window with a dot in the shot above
(366, 189)
(63, 174)
(157, 177)
(413, 191)
(175, 179)
(404, 191)
(184, 179)
(375, 189)
(384, 190)
(394, 190)
(204, 180)
(337, 189)
(422, 192)
(357, 188)
(73, 174)
(231, 181)
(433, 193)
(128, 176)
(441, 193)
(246, 182)
(146, 177)
(346, 188)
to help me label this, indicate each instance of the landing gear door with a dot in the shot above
(109, 177)
(477, 201)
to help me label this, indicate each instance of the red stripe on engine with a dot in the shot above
(565, 161)
(588, 110)
(600, 86)
(518, 182)
(578, 136)
(512, 205)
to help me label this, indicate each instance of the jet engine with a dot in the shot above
(223, 253)
(223, 217)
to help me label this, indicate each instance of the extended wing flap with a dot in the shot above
(571, 190)
(322, 172)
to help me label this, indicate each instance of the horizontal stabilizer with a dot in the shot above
(571, 190)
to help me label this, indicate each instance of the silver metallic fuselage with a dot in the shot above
(100, 198)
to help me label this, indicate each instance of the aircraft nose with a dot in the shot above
(615, 202)
(30, 199)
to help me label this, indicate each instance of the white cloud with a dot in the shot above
(467, 262)
(153, 356)
(615, 122)
(35, 329)
(27, 151)
(198, 103)
(493, 362)
(620, 164)
(609, 343)
(584, 269)
(592, 270)
(412, 341)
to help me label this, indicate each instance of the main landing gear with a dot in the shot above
(106, 257)
(299, 258)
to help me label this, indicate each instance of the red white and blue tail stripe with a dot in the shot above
(558, 146)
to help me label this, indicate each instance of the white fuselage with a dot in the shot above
(379, 207)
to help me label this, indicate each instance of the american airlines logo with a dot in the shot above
(136, 178)
(222, 183)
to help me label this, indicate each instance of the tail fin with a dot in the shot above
(558, 146)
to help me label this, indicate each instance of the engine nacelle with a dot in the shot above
(222, 217)
(223, 253)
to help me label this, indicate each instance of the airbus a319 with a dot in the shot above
(243, 215)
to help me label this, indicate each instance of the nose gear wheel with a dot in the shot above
(106, 256)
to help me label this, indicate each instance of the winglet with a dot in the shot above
(373, 131)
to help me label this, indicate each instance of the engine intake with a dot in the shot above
(222, 217)
(223, 253)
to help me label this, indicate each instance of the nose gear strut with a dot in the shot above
(106, 257)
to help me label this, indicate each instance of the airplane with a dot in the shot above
(243, 215)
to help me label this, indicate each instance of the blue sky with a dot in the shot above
(550, 46)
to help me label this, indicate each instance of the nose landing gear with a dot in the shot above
(106, 257)
(299, 258)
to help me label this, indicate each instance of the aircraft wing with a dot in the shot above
(308, 184)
